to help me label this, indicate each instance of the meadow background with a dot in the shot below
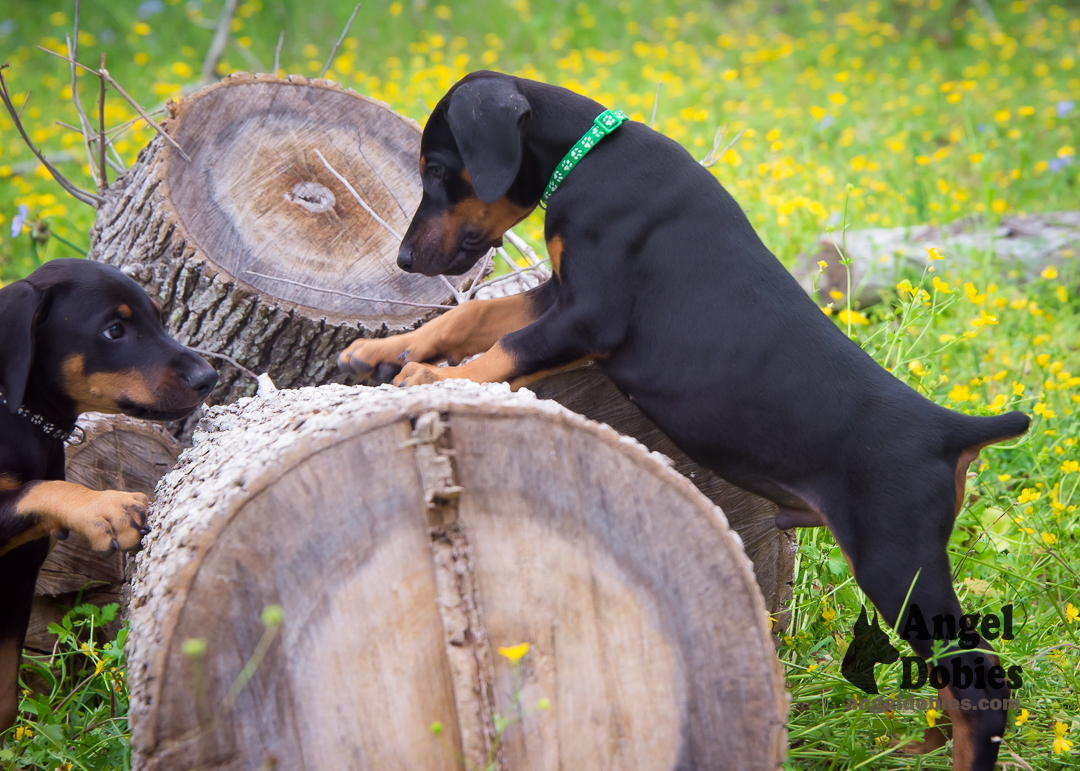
(872, 114)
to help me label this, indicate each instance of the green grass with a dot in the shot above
(929, 110)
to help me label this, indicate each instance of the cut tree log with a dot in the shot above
(408, 533)
(254, 248)
(587, 391)
(119, 453)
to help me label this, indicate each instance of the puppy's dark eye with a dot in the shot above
(435, 170)
(115, 332)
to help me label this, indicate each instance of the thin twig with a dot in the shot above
(104, 183)
(277, 52)
(426, 108)
(221, 39)
(520, 244)
(116, 165)
(348, 294)
(356, 195)
(656, 103)
(84, 121)
(120, 90)
(24, 101)
(145, 115)
(340, 40)
(229, 359)
(713, 157)
(78, 193)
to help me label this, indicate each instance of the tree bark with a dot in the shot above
(409, 533)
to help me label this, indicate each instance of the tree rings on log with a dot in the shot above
(254, 248)
(119, 453)
(409, 533)
(589, 392)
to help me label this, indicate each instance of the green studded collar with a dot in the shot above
(605, 123)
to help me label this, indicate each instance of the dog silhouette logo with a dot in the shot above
(869, 647)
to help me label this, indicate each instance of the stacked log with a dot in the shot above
(408, 534)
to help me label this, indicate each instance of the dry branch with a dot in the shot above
(221, 39)
(78, 193)
(340, 40)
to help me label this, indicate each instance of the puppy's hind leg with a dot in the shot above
(888, 547)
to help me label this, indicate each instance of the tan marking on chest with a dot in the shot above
(9, 482)
(555, 252)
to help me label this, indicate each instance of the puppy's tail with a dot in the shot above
(976, 431)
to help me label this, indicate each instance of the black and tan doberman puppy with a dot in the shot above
(659, 277)
(75, 336)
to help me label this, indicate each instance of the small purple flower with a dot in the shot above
(20, 218)
(981, 127)
(1057, 164)
(825, 122)
(1064, 107)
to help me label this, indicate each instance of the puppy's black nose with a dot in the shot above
(201, 380)
(405, 259)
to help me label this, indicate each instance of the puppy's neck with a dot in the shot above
(559, 119)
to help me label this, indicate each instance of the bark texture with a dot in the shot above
(407, 533)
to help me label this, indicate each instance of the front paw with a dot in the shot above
(112, 520)
(372, 360)
(415, 373)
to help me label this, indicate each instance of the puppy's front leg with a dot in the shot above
(455, 336)
(108, 520)
(564, 335)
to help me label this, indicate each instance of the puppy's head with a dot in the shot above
(81, 336)
(470, 156)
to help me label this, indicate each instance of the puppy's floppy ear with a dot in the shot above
(19, 304)
(486, 117)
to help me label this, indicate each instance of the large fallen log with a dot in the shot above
(407, 534)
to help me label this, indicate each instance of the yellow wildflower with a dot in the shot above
(1022, 717)
(1061, 744)
(931, 717)
(941, 286)
(959, 393)
(973, 294)
(933, 252)
(1071, 613)
(1049, 538)
(853, 317)
(1049, 272)
(515, 652)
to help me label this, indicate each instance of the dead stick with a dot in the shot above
(221, 39)
(24, 101)
(356, 195)
(344, 32)
(229, 359)
(117, 167)
(73, 49)
(78, 193)
(120, 90)
(277, 52)
(104, 184)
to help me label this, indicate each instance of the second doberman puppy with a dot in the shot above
(659, 276)
(75, 336)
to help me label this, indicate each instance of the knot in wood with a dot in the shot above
(312, 196)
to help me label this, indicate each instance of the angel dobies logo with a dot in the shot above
(870, 646)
